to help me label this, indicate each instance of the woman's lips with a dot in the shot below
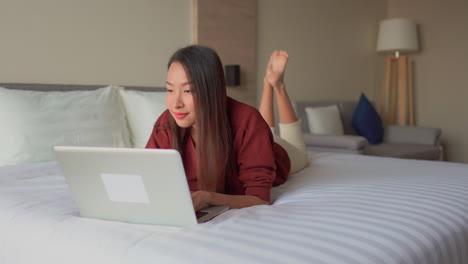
(180, 115)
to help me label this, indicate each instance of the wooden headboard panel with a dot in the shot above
(70, 87)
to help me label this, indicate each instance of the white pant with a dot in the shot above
(292, 140)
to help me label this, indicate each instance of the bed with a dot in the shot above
(343, 208)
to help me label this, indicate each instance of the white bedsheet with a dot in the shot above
(342, 209)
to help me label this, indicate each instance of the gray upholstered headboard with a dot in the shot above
(70, 87)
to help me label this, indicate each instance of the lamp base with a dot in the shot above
(397, 90)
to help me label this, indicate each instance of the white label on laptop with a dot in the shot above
(125, 188)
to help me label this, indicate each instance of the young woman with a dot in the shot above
(227, 148)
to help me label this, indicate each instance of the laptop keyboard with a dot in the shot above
(200, 214)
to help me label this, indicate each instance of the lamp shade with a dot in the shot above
(397, 34)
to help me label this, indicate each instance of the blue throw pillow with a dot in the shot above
(367, 122)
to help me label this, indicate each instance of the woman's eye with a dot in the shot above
(169, 90)
(188, 91)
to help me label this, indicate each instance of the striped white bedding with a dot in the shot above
(342, 209)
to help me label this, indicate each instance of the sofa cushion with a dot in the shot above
(408, 151)
(343, 142)
(412, 135)
(313, 150)
(324, 120)
(347, 109)
(367, 121)
(300, 107)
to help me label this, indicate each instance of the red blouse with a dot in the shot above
(261, 163)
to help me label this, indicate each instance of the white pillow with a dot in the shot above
(324, 120)
(143, 108)
(32, 122)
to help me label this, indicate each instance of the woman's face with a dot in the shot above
(179, 97)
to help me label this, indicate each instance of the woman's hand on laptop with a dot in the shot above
(203, 199)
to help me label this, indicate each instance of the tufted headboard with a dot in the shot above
(70, 87)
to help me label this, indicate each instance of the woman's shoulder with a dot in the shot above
(238, 107)
(244, 115)
(239, 110)
(161, 136)
(163, 121)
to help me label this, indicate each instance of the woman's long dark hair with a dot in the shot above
(214, 136)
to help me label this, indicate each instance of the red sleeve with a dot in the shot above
(161, 135)
(283, 164)
(255, 157)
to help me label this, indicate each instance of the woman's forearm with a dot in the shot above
(202, 199)
(236, 201)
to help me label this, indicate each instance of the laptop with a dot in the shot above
(145, 186)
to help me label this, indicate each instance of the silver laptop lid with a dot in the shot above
(131, 185)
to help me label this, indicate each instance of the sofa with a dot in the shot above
(411, 142)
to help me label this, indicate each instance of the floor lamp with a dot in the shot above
(397, 35)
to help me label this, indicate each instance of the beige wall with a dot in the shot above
(441, 68)
(331, 44)
(91, 42)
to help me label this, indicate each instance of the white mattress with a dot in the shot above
(342, 209)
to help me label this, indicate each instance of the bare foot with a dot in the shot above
(276, 67)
